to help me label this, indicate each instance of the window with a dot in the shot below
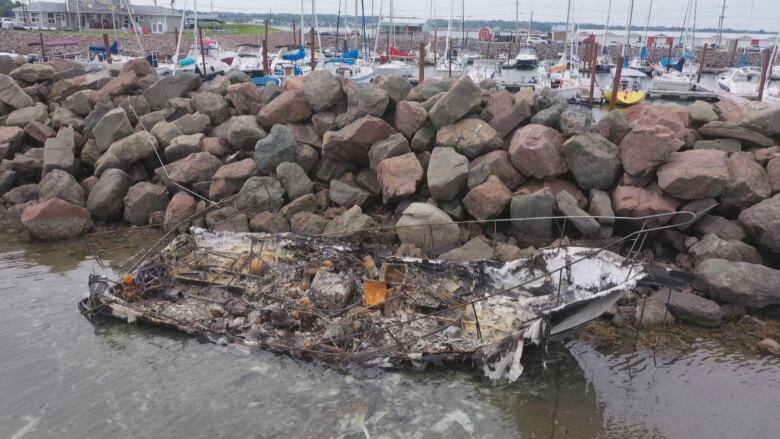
(50, 18)
(34, 17)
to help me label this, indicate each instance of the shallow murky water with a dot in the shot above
(62, 376)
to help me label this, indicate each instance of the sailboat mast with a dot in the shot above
(449, 28)
(517, 23)
(530, 21)
(628, 27)
(647, 23)
(606, 27)
(365, 41)
(693, 31)
(463, 23)
(302, 34)
(566, 32)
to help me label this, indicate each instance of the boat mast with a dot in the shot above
(338, 21)
(720, 22)
(566, 32)
(517, 23)
(693, 31)
(530, 20)
(392, 27)
(647, 23)
(628, 27)
(463, 24)
(606, 27)
(178, 41)
(365, 41)
(302, 34)
(449, 28)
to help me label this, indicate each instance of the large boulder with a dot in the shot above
(501, 166)
(713, 247)
(260, 194)
(347, 194)
(277, 147)
(197, 167)
(288, 107)
(725, 145)
(229, 179)
(36, 132)
(701, 112)
(613, 126)
(321, 89)
(671, 118)
(428, 88)
(392, 146)
(125, 152)
(766, 121)
(169, 87)
(55, 219)
(351, 225)
(143, 199)
(694, 174)
(743, 283)
(106, 199)
(643, 149)
(488, 200)
(12, 94)
(535, 150)
(353, 142)
(60, 184)
(409, 117)
(245, 97)
(25, 115)
(471, 137)
(245, 132)
(732, 130)
(773, 172)
(529, 231)
(428, 228)
(165, 132)
(456, 103)
(89, 81)
(575, 120)
(183, 146)
(583, 222)
(762, 221)
(475, 249)
(60, 152)
(294, 179)
(447, 173)
(32, 72)
(212, 105)
(362, 100)
(639, 202)
(748, 182)
(689, 307)
(399, 176)
(180, 208)
(593, 160)
(113, 126)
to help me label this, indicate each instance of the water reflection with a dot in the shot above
(62, 376)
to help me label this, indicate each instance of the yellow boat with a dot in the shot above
(626, 97)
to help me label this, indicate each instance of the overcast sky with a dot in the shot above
(755, 14)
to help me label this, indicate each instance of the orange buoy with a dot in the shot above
(256, 266)
(128, 280)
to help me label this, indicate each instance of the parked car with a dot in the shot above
(8, 22)
(536, 40)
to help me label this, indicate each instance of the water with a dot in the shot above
(63, 376)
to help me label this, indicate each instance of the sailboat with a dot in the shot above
(564, 76)
(350, 64)
(527, 57)
(631, 89)
(396, 59)
(680, 76)
(447, 64)
(204, 55)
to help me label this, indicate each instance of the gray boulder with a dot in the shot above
(212, 105)
(169, 87)
(60, 184)
(713, 247)
(106, 199)
(279, 146)
(322, 89)
(701, 112)
(294, 179)
(12, 94)
(731, 130)
(600, 205)
(447, 173)
(476, 249)
(113, 126)
(533, 232)
(346, 194)
(80, 102)
(548, 117)
(165, 132)
(55, 219)
(99, 110)
(260, 194)
(575, 120)
(429, 228)
(60, 152)
(725, 145)
(567, 205)
(245, 132)
(471, 137)
(766, 122)
(743, 283)
(25, 115)
(33, 72)
(593, 160)
(193, 123)
(143, 199)
(688, 307)
(182, 146)
(397, 87)
(613, 126)
(125, 152)
(350, 225)
(456, 103)
(392, 146)
(762, 220)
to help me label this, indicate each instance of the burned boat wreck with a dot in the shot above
(347, 303)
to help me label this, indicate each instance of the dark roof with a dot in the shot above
(93, 7)
(43, 7)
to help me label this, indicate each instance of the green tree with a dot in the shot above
(7, 7)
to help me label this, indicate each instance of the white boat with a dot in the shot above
(484, 69)
(740, 80)
(355, 69)
(249, 58)
(527, 58)
(395, 67)
(294, 61)
(207, 62)
(673, 81)
(446, 66)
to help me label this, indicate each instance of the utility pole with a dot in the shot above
(720, 22)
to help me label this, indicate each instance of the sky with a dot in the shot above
(753, 14)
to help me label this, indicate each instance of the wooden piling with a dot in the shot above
(669, 57)
(266, 70)
(765, 57)
(702, 63)
(295, 36)
(616, 81)
(43, 48)
(108, 48)
(421, 62)
(175, 36)
(435, 44)
(311, 37)
(594, 56)
(733, 52)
